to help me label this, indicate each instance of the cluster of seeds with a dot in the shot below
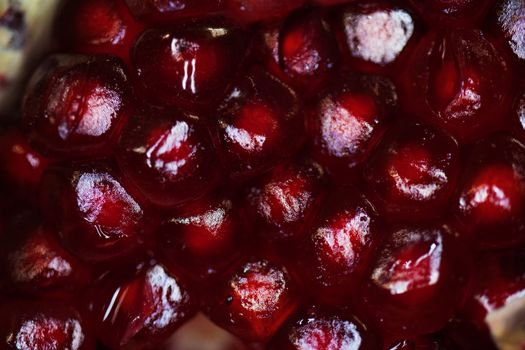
(310, 175)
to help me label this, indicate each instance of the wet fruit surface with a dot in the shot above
(35, 263)
(22, 165)
(266, 175)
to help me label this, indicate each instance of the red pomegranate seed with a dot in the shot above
(140, 310)
(307, 50)
(325, 331)
(458, 81)
(42, 325)
(188, 65)
(98, 26)
(492, 192)
(34, 262)
(349, 120)
(168, 155)
(414, 284)
(96, 217)
(204, 238)
(21, 165)
(259, 124)
(286, 201)
(254, 302)
(290, 167)
(414, 171)
(375, 33)
(340, 246)
(75, 105)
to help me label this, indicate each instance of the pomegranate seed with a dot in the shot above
(75, 105)
(325, 331)
(414, 171)
(492, 192)
(35, 263)
(98, 26)
(259, 124)
(285, 203)
(168, 155)
(21, 165)
(187, 65)
(350, 119)
(254, 302)
(203, 238)
(140, 309)
(40, 325)
(290, 167)
(96, 217)
(375, 33)
(414, 284)
(307, 50)
(340, 246)
(458, 81)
